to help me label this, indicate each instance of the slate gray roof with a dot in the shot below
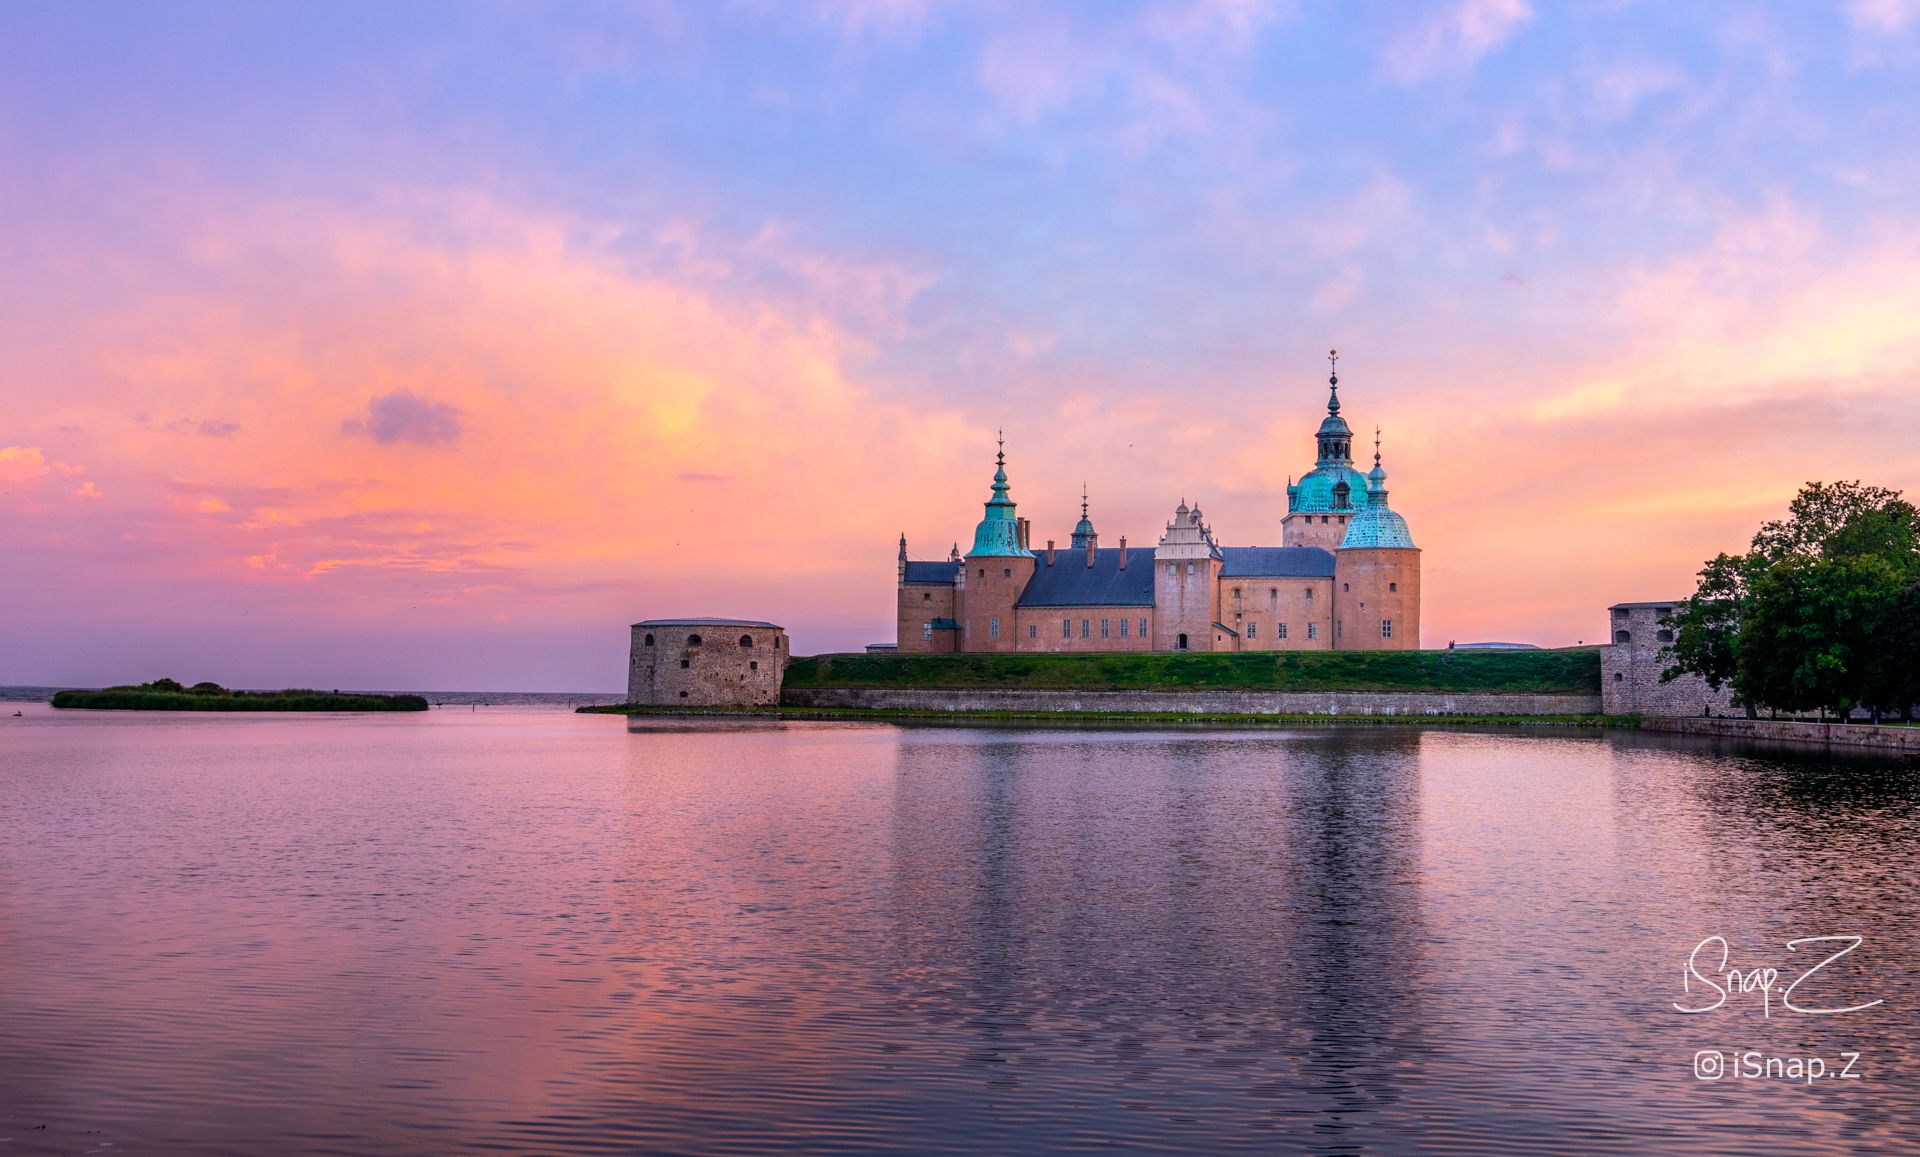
(932, 572)
(1070, 582)
(1275, 562)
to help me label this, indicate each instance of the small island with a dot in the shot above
(170, 695)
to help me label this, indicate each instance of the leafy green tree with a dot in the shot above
(1820, 614)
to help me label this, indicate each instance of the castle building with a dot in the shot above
(1346, 576)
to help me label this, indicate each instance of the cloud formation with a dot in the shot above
(404, 416)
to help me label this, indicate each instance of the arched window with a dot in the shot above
(1618, 677)
(746, 640)
(1663, 635)
(649, 638)
(753, 665)
(1181, 642)
(693, 640)
(1623, 636)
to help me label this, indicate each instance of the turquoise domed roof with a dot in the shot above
(1314, 491)
(1377, 526)
(998, 535)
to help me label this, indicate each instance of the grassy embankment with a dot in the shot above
(1575, 671)
(168, 695)
(1571, 671)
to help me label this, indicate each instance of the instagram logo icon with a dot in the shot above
(1709, 1065)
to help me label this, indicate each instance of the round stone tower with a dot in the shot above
(1325, 500)
(706, 663)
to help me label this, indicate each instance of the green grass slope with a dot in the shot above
(1572, 671)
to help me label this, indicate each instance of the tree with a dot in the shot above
(1821, 613)
(1706, 624)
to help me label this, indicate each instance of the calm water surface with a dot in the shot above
(546, 933)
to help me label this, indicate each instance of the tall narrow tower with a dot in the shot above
(995, 572)
(1327, 497)
(1376, 576)
(1186, 586)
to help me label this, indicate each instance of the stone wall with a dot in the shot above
(706, 664)
(1891, 739)
(1199, 702)
(919, 605)
(1630, 667)
(1377, 586)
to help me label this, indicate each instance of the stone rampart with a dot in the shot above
(1197, 702)
(1890, 739)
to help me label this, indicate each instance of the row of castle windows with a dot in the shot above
(694, 641)
(1662, 635)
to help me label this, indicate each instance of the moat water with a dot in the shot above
(535, 932)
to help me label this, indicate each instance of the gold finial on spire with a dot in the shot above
(1376, 445)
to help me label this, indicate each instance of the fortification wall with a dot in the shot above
(1890, 739)
(1199, 702)
(706, 664)
(1630, 668)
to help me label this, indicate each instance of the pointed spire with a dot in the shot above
(1083, 499)
(1376, 445)
(1333, 381)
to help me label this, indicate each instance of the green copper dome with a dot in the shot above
(1377, 526)
(998, 535)
(1314, 493)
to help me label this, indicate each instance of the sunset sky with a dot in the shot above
(427, 346)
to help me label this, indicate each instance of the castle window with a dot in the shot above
(993, 627)
(1181, 642)
(753, 664)
(1086, 628)
(686, 662)
(1066, 628)
(1033, 630)
(1343, 520)
(1143, 628)
(683, 694)
(1386, 628)
(1393, 586)
(1007, 573)
(1340, 628)
(926, 630)
(1623, 636)
(1103, 629)
(1280, 632)
(1123, 628)
(649, 640)
(1236, 592)
(1189, 568)
(693, 640)
(1309, 594)
(1313, 630)
(1346, 586)
(1253, 630)
(926, 597)
(1663, 635)
(1618, 677)
(746, 640)
(983, 572)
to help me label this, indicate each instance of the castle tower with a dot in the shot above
(1084, 536)
(1186, 587)
(1376, 576)
(1325, 500)
(995, 572)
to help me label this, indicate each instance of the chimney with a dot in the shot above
(1025, 529)
(1123, 552)
(1089, 554)
(1049, 552)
